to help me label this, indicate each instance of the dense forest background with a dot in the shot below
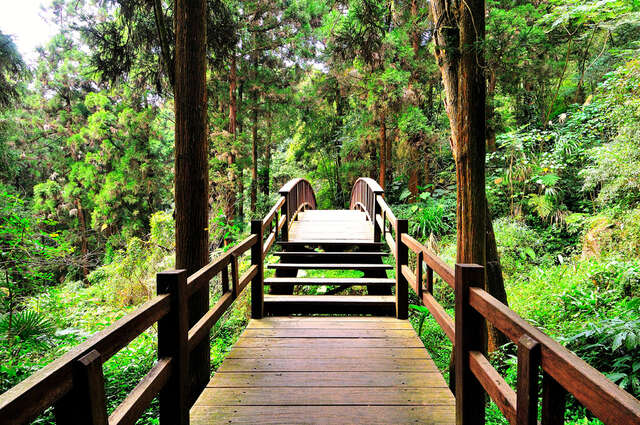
(330, 91)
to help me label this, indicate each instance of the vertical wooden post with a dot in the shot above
(430, 280)
(173, 332)
(257, 284)
(86, 402)
(470, 336)
(419, 275)
(284, 232)
(553, 401)
(528, 365)
(235, 275)
(374, 221)
(402, 258)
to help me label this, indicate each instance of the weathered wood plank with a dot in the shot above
(328, 322)
(328, 379)
(371, 415)
(322, 396)
(326, 353)
(328, 333)
(321, 365)
(329, 342)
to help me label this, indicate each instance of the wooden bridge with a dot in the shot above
(323, 358)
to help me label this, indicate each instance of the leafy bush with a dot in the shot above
(612, 345)
(518, 244)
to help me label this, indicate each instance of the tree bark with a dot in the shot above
(191, 165)
(83, 240)
(267, 154)
(459, 33)
(383, 152)
(230, 199)
(491, 128)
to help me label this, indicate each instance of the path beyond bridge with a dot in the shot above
(323, 359)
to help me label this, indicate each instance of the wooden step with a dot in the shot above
(331, 257)
(321, 254)
(328, 281)
(278, 305)
(362, 245)
(327, 266)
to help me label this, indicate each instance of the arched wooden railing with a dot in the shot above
(298, 196)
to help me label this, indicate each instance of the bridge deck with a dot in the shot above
(322, 225)
(327, 370)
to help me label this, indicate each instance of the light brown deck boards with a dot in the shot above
(319, 225)
(326, 370)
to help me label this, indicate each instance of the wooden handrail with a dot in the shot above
(563, 372)
(56, 384)
(299, 195)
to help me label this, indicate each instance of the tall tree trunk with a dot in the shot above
(254, 151)
(230, 199)
(83, 240)
(267, 153)
(458, 39)
(383, 152)
(191, 165)
(491, 127)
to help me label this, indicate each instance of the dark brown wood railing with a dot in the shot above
(74, 384)
(298, 195)
(562, 371)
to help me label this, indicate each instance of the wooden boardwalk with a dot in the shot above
(327, 370)
(323, 369)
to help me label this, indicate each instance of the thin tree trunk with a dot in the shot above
(383, 152)
(491, 128)
(83, 240)
(254, 152)
(267, 153)
(191, 165)
(230, 199)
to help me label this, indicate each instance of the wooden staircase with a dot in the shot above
(365, 256)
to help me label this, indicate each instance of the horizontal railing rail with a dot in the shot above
(562, 371)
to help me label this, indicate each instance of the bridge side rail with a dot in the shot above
(74, 383)
(298, 195)
(562, 371)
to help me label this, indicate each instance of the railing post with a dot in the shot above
(86, 403)
(470, 335)
(527, 394)
(554, 401)
(257, 284)
(402, 258)
(284, 212)
(173, 333)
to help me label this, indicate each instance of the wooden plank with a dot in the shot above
(322, 396)
(324, 323)
(329, 342)
(327, 266)
(333, 318)
(329, 304)
(326, 353)
(327, 333)
(139, 399)
(333, 243)
(329, 281)
(440, 315)
(317, 254)
(370, 415)
(329, 379)
(327, 365)
(495, 385)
